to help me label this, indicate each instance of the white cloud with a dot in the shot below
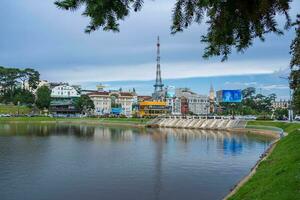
(169, 71)
(241, 83)
(272, 87)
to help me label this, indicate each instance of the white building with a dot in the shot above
(64, 91)
(174, 103)
(197, 104)
(105, 101)
(40, 84)
(63, 98)
(283, 104)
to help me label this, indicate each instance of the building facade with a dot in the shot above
(64, 91)
(212, 99)
(174, 104)
(184, 106)
(63, 99)
(153, 109)
(197, 104)
(112, 102)
(283, 104)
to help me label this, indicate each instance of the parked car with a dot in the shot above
(297, 118)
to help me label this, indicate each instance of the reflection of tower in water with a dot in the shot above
(160, 139)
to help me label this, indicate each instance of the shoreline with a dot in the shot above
(259, 184)
(253, 170)
(124, 122)
(134, 124)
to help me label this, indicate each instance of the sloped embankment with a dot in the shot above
(278, 176)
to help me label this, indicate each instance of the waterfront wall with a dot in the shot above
(198, 123)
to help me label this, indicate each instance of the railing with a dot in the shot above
(192, 117)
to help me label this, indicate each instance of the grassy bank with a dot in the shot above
(12, 110)
(133, 121)
(277, 177)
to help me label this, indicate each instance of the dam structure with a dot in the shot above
(197, 122)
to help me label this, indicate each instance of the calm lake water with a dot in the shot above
(53, 162)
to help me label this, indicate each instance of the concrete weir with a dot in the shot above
(195, 122)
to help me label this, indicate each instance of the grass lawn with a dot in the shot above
(11, 109)
(103, 120)
(277, 177)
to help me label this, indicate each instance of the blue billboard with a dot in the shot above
(231, 96)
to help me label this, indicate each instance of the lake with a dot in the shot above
(40, 161)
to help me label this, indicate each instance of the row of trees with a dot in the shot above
(295, 67)
(20, 86)
(17, 85)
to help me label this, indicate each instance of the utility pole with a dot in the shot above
(291, 113)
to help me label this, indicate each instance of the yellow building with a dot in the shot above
(152, 108)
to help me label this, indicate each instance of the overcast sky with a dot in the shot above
(34, 33)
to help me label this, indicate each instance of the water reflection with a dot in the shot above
(232, 146)
(58, 161)
(230, 142)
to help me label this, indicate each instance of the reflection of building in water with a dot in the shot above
(113, 134)
(232, 146)
(186, 135)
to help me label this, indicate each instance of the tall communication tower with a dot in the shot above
(158, 86)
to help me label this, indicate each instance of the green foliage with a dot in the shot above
(248, 92)
(295, 67)
(84, 104)
(43, 97)
(296, 102)
(295, 46)
(8, 80)
(33, 77)
(17, 96)
(103, 13)
(11, 80)
(252, 104)
(231, 24)
(281, 113)
(23, 97)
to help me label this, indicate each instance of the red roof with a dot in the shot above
(144, 98)
(126, 94)
(108, 93)
(98, 93)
